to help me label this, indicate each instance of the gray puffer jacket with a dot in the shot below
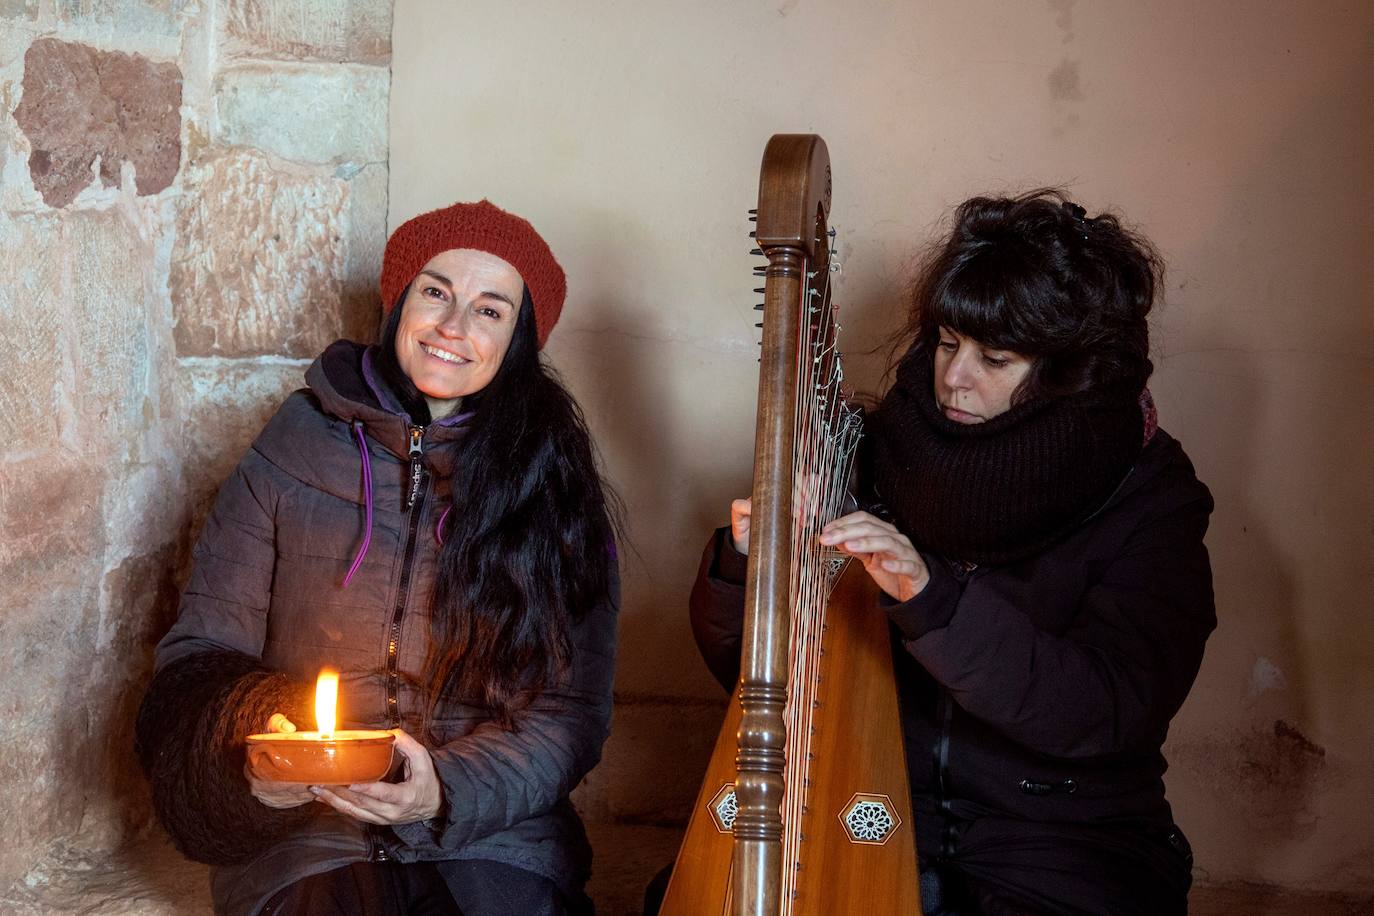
(324, 490)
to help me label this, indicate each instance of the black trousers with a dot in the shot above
(473, 888)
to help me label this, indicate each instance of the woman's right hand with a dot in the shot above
(275, 794)
(739, 524)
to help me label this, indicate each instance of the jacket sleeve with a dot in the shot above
(211, 690)
(494, 778)
(1112, 680)
(224, 605)
(189, 739)
(717, 607)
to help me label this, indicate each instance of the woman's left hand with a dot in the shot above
(886, 553)
(418, 798)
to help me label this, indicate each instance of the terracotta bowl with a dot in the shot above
(348, 756)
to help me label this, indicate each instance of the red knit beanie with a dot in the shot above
(485, 227)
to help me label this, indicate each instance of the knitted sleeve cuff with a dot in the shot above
(931, 608)
(729, 565)
(189, 737)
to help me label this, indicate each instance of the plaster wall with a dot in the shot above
(192, 204)
(1236, 135)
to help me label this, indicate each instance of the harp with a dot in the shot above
(805, 808)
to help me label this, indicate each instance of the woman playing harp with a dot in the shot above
(1038, 542)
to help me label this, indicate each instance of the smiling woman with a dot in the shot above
(428, 518)
(455, 325)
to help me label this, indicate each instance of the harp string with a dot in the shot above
(826, 437)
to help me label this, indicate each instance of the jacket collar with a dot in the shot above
(347, 389)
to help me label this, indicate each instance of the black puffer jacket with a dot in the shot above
(265, 609)
(1036, 696)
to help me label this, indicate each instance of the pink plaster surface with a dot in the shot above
(81, 105)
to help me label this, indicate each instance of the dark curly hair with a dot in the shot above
(1034, 275)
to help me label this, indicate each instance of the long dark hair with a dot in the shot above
(533, 547)
(1033, 274)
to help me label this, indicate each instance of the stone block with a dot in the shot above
(625, 858)
(51, 539)
(367, 209)
(22, 10)
(145, 18)
(342, 31)
(72, 315)
(304, 113)
(224, 404)
(138, 605)
(147, 878)
(258, 262)
(654, 761)
(82, 106)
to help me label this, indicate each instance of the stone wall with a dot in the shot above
(193, 202)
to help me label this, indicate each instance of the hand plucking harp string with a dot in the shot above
(806, 496)
(886, 554)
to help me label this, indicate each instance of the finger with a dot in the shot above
(335, 799)
(855, 517)
(279, 723)
(860, 521)
(365, 793)
(406, 744)
(741, 508)
(848, 527)
(416, 754)
(900, 567)
(884, 544)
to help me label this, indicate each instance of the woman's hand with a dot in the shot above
(275, 794)
(739, 524)
(418, 798)
(886, 553)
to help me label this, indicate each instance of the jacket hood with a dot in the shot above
(348, 388)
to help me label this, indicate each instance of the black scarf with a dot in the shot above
(1005, 489)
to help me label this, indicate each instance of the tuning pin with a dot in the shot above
(760, 271)
(754, 212)
(830, 232)
(759, 325)
(759, 307)
(757, 252)
(760, 290)
(751, 235)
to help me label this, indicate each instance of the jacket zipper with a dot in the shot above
(417, 465)
(376, 851)
(945, 713)
(415, 505)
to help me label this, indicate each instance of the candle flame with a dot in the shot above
(326, 702)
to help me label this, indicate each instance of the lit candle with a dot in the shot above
(325, 756)
(326, 702)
